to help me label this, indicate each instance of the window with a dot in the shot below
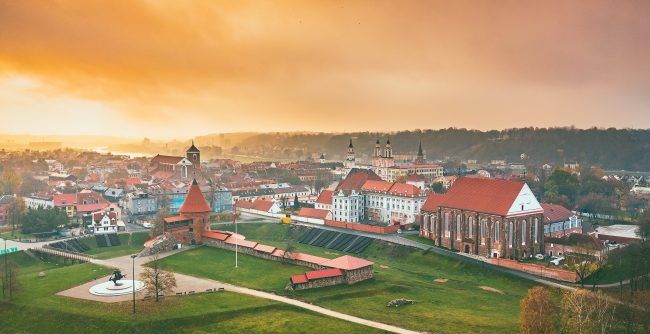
(447, 224)
(510, 235)
(523, 232)
(536, 227)
(458, 227)
(496, 231)
(483, 231)
(470, 222)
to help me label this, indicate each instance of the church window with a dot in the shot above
(523, 232)
(510, 234)
(447, 224)
(536, 227)
(470, 222)
(496, 231)
(458, 227)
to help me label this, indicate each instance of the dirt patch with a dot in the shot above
(384, 266)
(441, 280)
(487, 288)
(331, 253)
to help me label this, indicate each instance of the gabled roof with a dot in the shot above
(356, 179)
(65, 199)
(98, 216)
(166, 159)
(194, 201)
(325, 197)
(244, 204)
(433, 202)
(262, 205)
(215, 235)
(193, 149)
(555, 213)
(375, 185)
(479, 194)
(323, 273)
(297, 279)
(404, 189)
(347, 262)
(313, 213)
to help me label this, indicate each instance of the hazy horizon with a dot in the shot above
(180, 69)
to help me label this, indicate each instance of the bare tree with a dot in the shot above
(9, 279)
(159, 223)
(537, 312)
(156, 280)
(587, 312)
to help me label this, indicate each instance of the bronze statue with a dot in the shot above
(117, 275)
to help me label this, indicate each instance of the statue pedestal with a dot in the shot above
(124, 287)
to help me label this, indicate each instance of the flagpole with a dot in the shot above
(234, 220)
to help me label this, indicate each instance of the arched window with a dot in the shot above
(432, 225)
(510, 235)
(447, 224)
(496, 231)
(470, 222)
(536, 227)
(184, 171)
(458, 227)
(483, 231)
(523, 232)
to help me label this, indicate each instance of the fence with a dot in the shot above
(535, 269)
(69, 255)
(363, 227)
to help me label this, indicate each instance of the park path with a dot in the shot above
(186, 283)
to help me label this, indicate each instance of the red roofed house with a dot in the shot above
(560, 221)
(488, 217)
(315, 213)
(265, 206)
(194, 218)
(104, 222)
(324, 200)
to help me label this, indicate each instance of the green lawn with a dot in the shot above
(419, 239)
(36, 309)
(457, 306)
(131, 243)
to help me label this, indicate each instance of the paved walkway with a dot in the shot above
(186, 283)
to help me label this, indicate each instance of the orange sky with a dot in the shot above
(177, 69)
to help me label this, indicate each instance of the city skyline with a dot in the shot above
(132, 70)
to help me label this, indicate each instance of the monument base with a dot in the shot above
(124, 287)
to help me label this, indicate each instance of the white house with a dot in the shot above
(105, 222)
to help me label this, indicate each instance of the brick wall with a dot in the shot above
(558, 274)
(363, 227)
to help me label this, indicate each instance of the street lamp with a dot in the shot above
(133, 278)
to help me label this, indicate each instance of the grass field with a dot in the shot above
(459, 305)
(131, 243)
(36, 309)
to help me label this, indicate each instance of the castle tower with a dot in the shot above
(195, 207)
(388, 151)
(349, 158)
(420, 158)
(194, 155)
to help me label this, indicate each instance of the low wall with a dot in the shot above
(317, 221)
(256, 253)
(535, 269)
(317, 283)
(363, 227)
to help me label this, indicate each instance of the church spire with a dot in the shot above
(420, 150)
(350, 146)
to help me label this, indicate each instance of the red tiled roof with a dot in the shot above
(433, 202)
(244, 204)
(323, 273)
(404, 189)
(297, 279)
(313, 213)
(555, 213)
(92, 207)
(65, 199)
(112, 216)
(264, 248)
(262, 205)
(308, 258)
(163, 174)
(375, 185)
(215, 235)
(482, 195)
(414, 177)
(194, 201)
(176, 219)
(166, 159)
(356, 179)
(278, 252)
(347, 262)
(241, 242)
(325, 197)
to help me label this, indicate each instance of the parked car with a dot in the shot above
(539, 257)
(147, 225)
(556, 261)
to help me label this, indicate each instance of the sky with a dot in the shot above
(177, 69)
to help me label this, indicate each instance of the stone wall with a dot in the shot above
(358, 275)
(317, 283)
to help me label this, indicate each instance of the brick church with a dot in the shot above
(487, 217)
(194, 218)
(174, 167)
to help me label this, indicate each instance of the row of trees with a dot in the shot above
(581, 312)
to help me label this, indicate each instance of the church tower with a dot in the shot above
(194, 156)
(376, 157)
(387, 159)
(420, 159)
(349, 158)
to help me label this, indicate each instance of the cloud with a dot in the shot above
(209, 66)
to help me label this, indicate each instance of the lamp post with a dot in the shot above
(133, 279)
